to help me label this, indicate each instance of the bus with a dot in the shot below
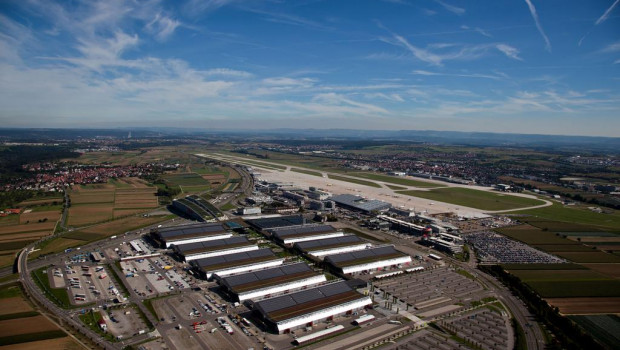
(435, 257)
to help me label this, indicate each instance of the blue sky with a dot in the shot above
(518, 66)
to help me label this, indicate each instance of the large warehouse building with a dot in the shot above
(335, 245)
(275, 222)
(271, 281)
(167, 236)
(354, 202)
(199, 250)
(304, 308)
(294, 234)
(368, 259)
(225, 265)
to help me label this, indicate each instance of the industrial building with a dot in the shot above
(275, 222)
(225, 265)
(329, 246)
(294, 234)
(406, 227)
(199, 250)
(167, 236)
(353, 202)
(196, 208)
(445, 242)
(270, 281)
(304, 308)
(370, 259)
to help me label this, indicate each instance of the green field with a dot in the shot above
(573, 289)
(483, 200)
(604, 328)
(353, 180)
(533, 236)
(560, 218)
(563, 248)
(395, 180)
(559, 275)
(304, 171)
(589, 257)
(569, 266)
(186, 179)
(395, 188)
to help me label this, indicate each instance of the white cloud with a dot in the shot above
(605, 15)
(456, 10)
(509, 51)
(538, 25)
(613, 47)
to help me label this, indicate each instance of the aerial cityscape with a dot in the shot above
(333, 175)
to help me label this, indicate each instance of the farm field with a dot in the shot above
(552, 248)
(604, 328)
(571, 289)
(21, 324)
(474, 199)
(185, 179)
(37, 219)
(354, 180)
(395, 180)
(533, 236)
(118, 198)
(65, 343)
(89, 213)
(586, 305)
(589, 257)
(612, 270)
(558, 275)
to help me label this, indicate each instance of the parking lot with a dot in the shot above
(123, 322)
(426, 340)
(85, 284)
(426, 289)
(488, 328)
(152, 276)
(493, 247)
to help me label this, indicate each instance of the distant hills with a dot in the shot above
(568, 143)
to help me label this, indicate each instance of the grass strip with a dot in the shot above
(354, 180)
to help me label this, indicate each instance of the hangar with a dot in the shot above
(271, 281)
(199, 250)
(294, 234)
(167, 236)
(368, 259)
(224, 265)
(275, 222)
(303, 308)
(334, 245)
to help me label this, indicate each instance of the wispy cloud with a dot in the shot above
(605, 15)
(613, 47)
(477, 29)
(456, 10)
(509, 51)
(163, 26)
(534, 14)
(461, 75)
(600, 20)
(285, 18)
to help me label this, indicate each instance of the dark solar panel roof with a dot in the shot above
(304, 296)
(300, 230)
(229, 258)
(250, 277)
(353, 239)
(281, 221)
(361, 254)
(207, 228)
(213, 244)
